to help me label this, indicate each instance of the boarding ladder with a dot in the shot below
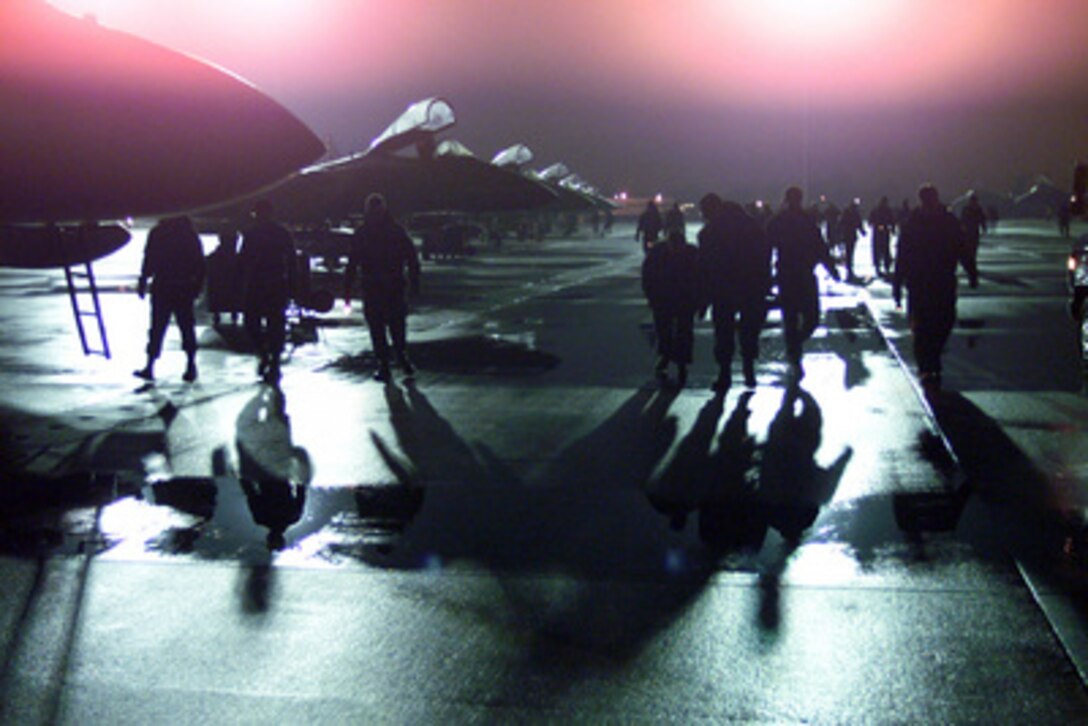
(81, 290)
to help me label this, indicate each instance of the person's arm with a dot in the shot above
(412, 262)
(352, 268)
(146, 268)
(902, 262)
(200, 266)
(292, 262)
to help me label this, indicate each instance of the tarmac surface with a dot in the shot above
(530, 529)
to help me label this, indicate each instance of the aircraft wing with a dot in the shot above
(336, 191)
(100, 125)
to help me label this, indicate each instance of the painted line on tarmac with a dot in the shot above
(1061, 612)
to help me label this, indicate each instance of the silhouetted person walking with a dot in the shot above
(931, 246)
(223, 277)
(799, 247)
(670, 280)
(674, 220)
(850, 227)
(735, 264)
(1065, 217)
(882, 222)
(174, 265)
(649, 226)
(382, 254)
(268, 269)
(973, 219)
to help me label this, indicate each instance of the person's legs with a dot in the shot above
(684, 343)
(377, 319)
(254, 322)
(752, 318)
(663, 331)
(186, 320)
(398, 332)
(160, 318)
(724, 318)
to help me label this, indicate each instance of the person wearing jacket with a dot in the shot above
(799, 247)
(384, 258)
(735, 267)
(932, 245)
(670, 280)
(174, 266)
(268, 268)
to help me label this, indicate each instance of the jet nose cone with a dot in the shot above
(100, 124)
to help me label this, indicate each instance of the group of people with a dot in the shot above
(382, 256)
(728, 274)
(731, 270)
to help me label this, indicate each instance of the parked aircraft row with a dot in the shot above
(100, 125)
(419, 174)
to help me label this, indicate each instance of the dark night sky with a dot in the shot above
(683, 97)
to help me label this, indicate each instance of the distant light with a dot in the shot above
(659, 198)
(759, 204)
(857, 201)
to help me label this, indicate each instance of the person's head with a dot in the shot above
(929, 198)
(374, 208)
(710, 205)
(794, 198)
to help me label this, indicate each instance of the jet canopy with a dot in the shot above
(554, 173)
(515, 157)
(416, 126)
(453, 148)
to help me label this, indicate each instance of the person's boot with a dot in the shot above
(382, 374)
(147, 372)
(190, 371)
(681, 375)
(749, 373)
(723, 381)
(405, 364)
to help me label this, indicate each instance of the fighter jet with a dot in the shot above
(572, 194)
(404, 164)
(99, 125)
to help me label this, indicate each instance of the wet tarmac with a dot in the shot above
(529, 528)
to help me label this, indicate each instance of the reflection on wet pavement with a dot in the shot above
(471, 355)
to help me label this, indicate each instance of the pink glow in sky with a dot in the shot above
(737, 49)
(347, 66)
